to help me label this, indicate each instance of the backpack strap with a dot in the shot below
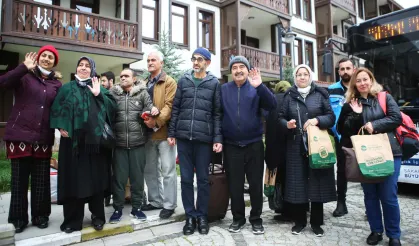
(382, 100)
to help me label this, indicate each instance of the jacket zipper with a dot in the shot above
(126, 118)
(16, 119)
(238, 109)
(193, 111)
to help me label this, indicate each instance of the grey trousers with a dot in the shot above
(128, 163)
(160, 174)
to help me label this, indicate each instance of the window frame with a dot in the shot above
(157, 13)
(298, 8)
(361, 9)
(95, 6)
(212, 32)
(186, 23)
(311, 59)
(308, 19)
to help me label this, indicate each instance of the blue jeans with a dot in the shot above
(386, 193)
(194, 155)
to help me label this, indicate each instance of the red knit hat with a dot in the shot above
(49, 48)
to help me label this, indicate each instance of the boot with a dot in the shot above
(341, 209)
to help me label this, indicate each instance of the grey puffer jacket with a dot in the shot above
(129, 127)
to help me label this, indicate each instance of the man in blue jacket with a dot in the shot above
(195, 126)
(337, 99)
(242, 101)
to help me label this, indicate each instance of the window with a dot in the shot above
(307, 10)
(309, 55)
(89, 6)
(150, 19)
(206, 30)
(297, 7)
(361, 9)
(335, 29)
(180, 24)
(298, 52)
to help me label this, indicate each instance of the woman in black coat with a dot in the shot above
(303, 184)
(362, 109)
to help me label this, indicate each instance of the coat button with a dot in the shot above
(42, 106)
(45, 90)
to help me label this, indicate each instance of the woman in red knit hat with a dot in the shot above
(28, 136)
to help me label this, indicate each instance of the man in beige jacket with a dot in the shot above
(160, 171)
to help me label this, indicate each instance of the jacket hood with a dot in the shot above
(117, 89)
(210, 76)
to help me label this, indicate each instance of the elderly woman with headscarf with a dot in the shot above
(306, 104)
(29, 138)
(80, 111)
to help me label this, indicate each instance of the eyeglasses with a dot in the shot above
(199, 59)
(303, 75)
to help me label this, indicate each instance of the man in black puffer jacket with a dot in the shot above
(195, 124)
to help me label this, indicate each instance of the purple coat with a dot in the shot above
(29, 120)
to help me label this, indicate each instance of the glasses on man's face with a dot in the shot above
(300, 75)
(199, 59)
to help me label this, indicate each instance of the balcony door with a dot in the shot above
(89, 6)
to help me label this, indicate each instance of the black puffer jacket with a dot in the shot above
(304, 184)
(129, 127)
(350, 122)
(196, 112)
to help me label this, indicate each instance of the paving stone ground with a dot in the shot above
(352, 229)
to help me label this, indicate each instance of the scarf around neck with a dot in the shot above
(44, 72)
(304, 91)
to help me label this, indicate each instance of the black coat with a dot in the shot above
(275, 137)
(350, 122)
(304, 184)
(196, 112)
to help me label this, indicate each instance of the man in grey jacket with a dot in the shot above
(131, 136)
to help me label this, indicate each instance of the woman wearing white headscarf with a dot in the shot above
(306, 104)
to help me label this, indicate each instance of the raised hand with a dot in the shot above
(291, 124)
(96, 86)
(356, 106)
(255, 78)
(30, 60)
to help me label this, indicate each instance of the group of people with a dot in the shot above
(198, 116)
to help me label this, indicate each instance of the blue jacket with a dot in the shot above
(337, 99)
(242, 109)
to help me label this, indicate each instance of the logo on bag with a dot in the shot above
(377, 160)
(315, 139)
(323, 152)
(363, 147)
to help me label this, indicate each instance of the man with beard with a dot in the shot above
(337, 99)
(107, 80)
(196, 128)
(243, 100)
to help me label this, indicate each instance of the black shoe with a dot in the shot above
(97, 223)
(317, 230)
(189, 227)
(237, 225)
(394, 242)
(166, 213)
(149, 207)
(374, 238)
(107, 201)
(297, 229)
(340, 210)
(282, 218)
(203, 226)
(19, 229)
(68, 230)
(258, 228)
(41, 222)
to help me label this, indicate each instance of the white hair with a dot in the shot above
(158, 53)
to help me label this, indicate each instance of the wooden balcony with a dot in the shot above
(32, 23)
(267, 62)
(278, 5)
(348, 5)
(321, 39)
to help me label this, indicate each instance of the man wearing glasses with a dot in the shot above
(195, 126)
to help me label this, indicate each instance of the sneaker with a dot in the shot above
(138, 214)
(374, 238)
(258, 228)
(297, 229)
(237, 225)
(317, 230)
(116, 217)
(149, 207)
(166, 213)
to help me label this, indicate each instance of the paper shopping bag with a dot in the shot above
(374, 155)
(321, 153)
(269, 183)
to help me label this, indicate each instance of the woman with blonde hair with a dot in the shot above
(362, 109)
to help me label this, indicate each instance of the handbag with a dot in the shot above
(108, 137)
(352, 171)
(269, 183)
(303, 133)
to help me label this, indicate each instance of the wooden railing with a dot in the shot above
(33, 20)
(347, 4)
(265, 61)
(278, 5)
